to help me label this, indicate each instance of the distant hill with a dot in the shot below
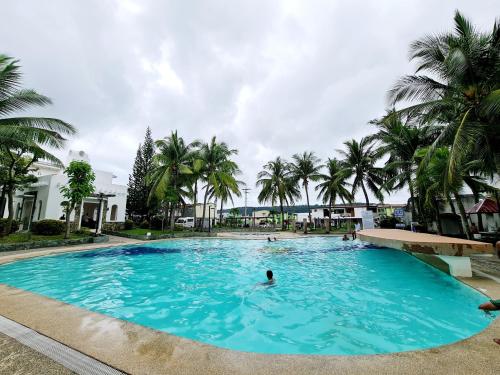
(292, 209)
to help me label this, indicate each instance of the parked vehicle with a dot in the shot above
(185, 222)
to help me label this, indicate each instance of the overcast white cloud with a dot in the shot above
(268, 77)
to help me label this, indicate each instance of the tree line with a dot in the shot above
(441, 134)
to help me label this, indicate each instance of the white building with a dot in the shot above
(42, 200)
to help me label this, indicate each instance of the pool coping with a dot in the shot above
(137, 349)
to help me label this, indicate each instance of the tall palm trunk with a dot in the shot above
(366, 195)
(220, 214)
(412, 199)
(454, 212)
(329, 216)
(463, 215)
(479, 217)
(195, 202)
(282, 215)
(307, 199)
(438, 218)
(204, 207)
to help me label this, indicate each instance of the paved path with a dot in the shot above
(18, 359)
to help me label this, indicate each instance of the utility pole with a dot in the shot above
(246, 190)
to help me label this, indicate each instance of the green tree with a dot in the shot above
(359, 161)
(217, 167)
(457, 82)
(399, 137)
(332, 186)
(226, 190)
(435, 181)
(80, 185)
(139, 185)
(171, 165)
(306, 167)
(278, 185)
(25, 136)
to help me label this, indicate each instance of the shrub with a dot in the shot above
(129, 224)
(156, 222)
(48, 227)
(84, 232)
(13, 228)
(388, 222)
(144, 224)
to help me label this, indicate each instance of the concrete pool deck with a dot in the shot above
(424, 243)
(139, 350)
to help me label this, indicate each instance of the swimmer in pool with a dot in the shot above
(345, 238)
(270, 278)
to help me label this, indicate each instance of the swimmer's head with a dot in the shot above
(269, 274)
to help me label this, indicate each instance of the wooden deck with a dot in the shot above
(424, 243)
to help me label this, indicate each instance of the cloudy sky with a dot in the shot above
(268, 77)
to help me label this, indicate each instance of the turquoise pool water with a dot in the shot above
(331, 297)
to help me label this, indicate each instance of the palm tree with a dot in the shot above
(333, 187)
(359, 161)
(226, 190)
(278, 185)
(435, 176)
(306, 168)
(25, 136)
(400, 137)
(461, 90)
(217, 168)
(171, 164)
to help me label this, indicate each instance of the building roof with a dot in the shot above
(486, 206)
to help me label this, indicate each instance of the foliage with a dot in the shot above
(79, 186)
(461, 90)
(129, 224)
(48, 227)
(278, 185)
(24, 140)
(14, 227)
(388, 222)
(139, 185)
(360, 160)
(144, 224)
(305, 168)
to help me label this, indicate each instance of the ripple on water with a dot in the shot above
(331, 296)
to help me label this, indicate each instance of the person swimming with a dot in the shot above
(268, 239)
(270, 278)
(345, 238)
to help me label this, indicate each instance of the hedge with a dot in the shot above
(48, 227)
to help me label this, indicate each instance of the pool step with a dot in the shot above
(69, 358)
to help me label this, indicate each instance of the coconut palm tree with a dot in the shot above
(171, 165)
(333, 186)
(217, 168)
(306, 167)
(25, 136)
(436, 180)
(399, 138)
(457, 82)
(226, 190)
(359, 159)
(278, 185)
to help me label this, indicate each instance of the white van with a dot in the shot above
(185, 222)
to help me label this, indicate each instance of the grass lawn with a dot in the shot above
(28, 237)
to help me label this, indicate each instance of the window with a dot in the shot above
(114, 209)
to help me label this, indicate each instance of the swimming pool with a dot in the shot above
(330, 297)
